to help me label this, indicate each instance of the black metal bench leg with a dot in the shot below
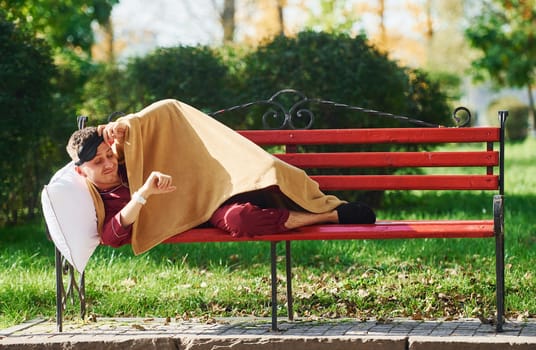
(62, 295)
(82, 295)
(59, 292)
(288, 261)
(498, 208)
(273, 254)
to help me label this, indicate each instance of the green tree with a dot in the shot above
(504, 32)
(27, 123)
(64, 24)
(333, 16)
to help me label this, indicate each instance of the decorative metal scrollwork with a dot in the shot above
(461, 117)
(75, 289)
(300, 116)
(296, 112)
(278, 116)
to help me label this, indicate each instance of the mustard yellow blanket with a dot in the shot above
(209, 163)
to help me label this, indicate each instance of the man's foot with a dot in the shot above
(355, 213)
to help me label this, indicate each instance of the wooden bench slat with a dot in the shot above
(370, 136)
(407, 182)
(390, 159)
(380, 230)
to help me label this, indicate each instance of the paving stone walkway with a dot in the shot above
(243, 333)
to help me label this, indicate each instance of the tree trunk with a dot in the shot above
(429, 28)
(381, 15)
(532, 111)
(281, 19)
(108, 30)
(228, 20)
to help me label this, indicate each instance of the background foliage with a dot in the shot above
(26, 138)
(66, 25)
(517, 127)
(504, 34)
(195, 75)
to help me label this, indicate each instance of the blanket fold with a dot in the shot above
(209, 163)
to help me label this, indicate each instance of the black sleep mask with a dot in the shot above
(88, 151)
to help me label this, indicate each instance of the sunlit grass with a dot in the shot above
(425, 278)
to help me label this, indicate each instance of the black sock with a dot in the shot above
(355, 213)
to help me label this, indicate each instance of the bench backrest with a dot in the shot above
(488, 158)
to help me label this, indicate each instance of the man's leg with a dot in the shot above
(348, 213)
(247, 219)
(298, 219)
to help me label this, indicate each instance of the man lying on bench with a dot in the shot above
(170, 168)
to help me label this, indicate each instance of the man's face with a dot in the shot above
(101, 170)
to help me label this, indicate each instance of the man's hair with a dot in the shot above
(78, 139)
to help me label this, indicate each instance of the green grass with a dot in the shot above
(428, 278)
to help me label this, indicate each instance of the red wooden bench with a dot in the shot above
(490, 159)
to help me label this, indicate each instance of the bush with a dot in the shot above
(517, 125)
(105, 92)
(344, 69)
(195, 75)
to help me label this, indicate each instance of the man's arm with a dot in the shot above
(114, 234)
(156, 183)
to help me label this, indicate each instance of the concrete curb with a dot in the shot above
(161, 342)
(293, 342)
(247, 333)
(473, 343)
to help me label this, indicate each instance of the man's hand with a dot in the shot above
(157, 183)
(113, 131)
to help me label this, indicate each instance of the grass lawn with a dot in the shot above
(422, 279)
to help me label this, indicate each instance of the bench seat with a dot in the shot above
(380, 230)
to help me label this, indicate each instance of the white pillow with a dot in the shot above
(70, 216)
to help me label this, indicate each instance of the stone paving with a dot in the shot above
(244, 333)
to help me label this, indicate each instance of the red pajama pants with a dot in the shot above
(249, 215)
